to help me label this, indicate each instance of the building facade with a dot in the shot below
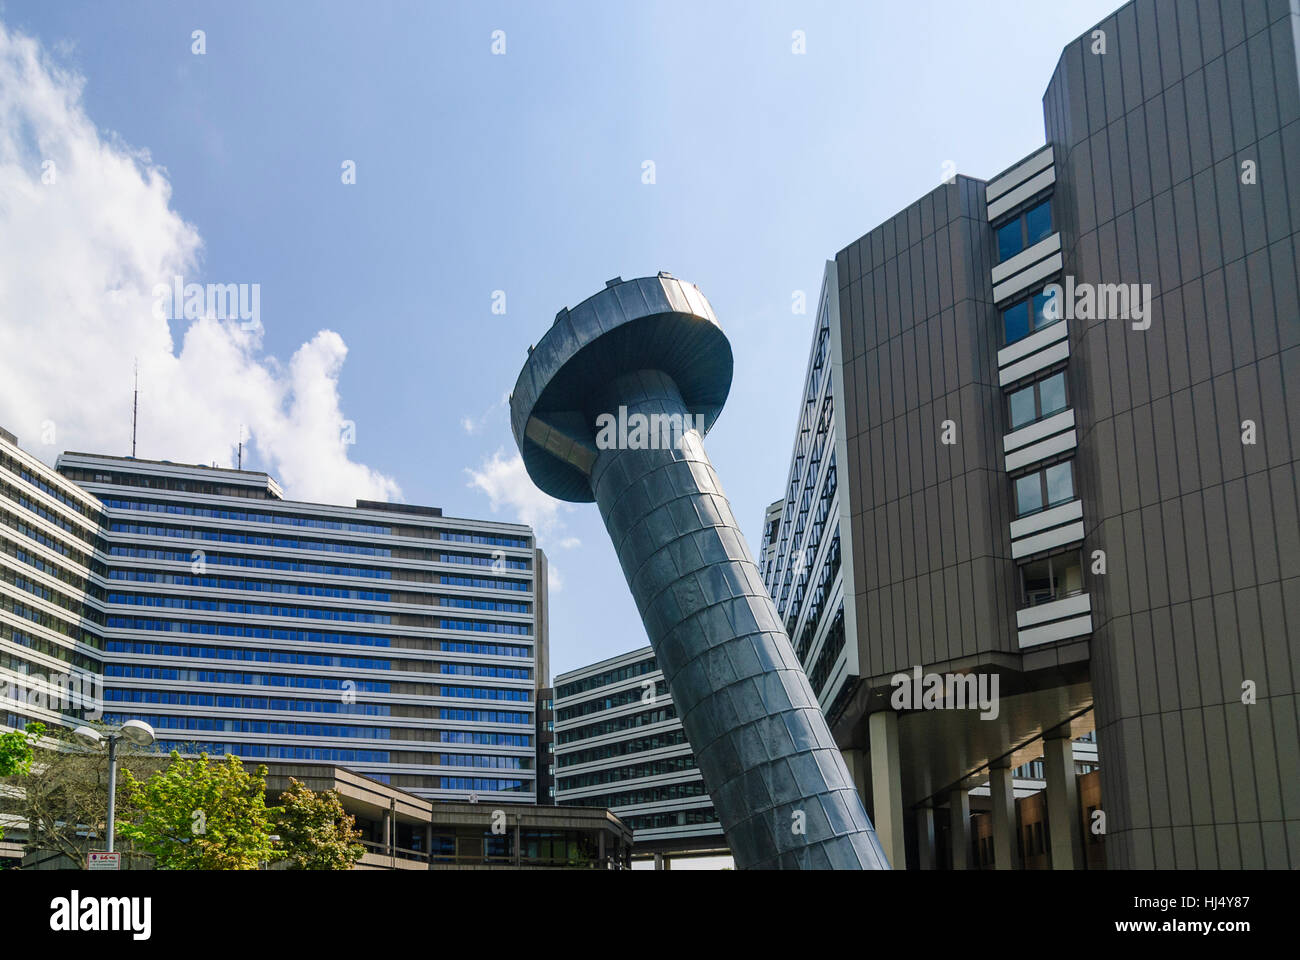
(386, 638)
(620, 745)
(51, 627)
(1063, 428)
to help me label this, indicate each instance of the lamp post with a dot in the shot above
(137, 732)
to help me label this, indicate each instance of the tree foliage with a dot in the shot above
(201, 814)
(17, 753)
(16, 750)
(316, 833)
(62, 794)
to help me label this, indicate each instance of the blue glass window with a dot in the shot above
(1015, 321)
(1025, 230)
(1009, 241)
(1038, 223)
(1060, 483)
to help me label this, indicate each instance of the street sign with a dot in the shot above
(104, 861)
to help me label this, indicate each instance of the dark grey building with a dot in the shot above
(1065, 427)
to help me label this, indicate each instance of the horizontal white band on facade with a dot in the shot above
(1021, 172)
(1039, 361)
(1056, 610)
(1045, 519)
(615, 787)
(659, 806)
(680, 832)
(601, 666)
(1058, 537)
(621, 760)
(1034, 276)
(1060, 630)
(614, 736)
(663, 699)
(655, 677)
(1025, 258)
(1042, 450)
(1039, 430)
(1033, 343)
(1018, 195)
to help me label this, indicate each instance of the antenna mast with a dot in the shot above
(135, 405)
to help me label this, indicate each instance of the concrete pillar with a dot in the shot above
(959, 828)
(662, 862)
(856, 761)
(388, 833)
(1062, 801)
(887, 786)
(925, 844)
(1005, 832)
(601, 861)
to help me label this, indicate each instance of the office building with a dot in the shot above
(401, 831)
(385, 638)
(1051, 418)
(619, 744)
(51, 633)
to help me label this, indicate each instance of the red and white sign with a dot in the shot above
(104, 861)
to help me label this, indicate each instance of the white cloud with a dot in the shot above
(506, 482)
(79, 259)
(569, 543)
(472, 425)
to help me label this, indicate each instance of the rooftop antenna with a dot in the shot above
(239, 463)
(135, 405)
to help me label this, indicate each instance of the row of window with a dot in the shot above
(248, 609)
(241, 702)
(240, 630)
(277, 727)
(260, 563)
(243, 516)
(608, 677)
(250, 679)
(226, 536)
(258, 655)
(261, 586)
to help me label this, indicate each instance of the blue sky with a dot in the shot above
(523, 173)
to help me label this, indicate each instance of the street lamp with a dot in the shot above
(137, 732)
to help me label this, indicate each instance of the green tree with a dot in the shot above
(16, 750)
(200, 814)
(62, 794)
(316, 833)
(16, 753)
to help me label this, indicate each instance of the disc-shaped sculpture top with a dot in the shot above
(654, 323)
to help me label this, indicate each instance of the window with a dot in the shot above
(1044, 488)
(1024, 231)
(1028, 316)
(1052, 579)
(1040, 399)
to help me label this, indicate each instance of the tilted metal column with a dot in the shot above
(650, 350)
